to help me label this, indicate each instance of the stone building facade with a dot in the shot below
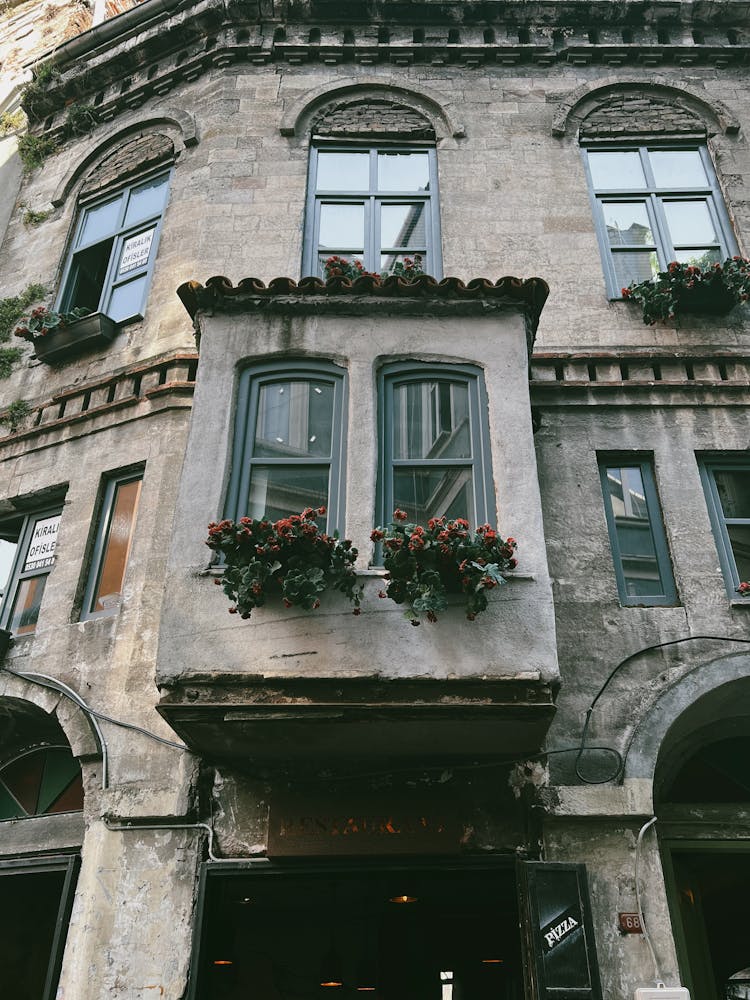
(197, 806)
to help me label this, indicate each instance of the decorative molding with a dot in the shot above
(299, 117)
(597, 92)
(105, 144)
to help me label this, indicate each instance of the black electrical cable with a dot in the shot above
(582, 748)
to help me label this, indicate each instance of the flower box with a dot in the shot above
(713, 299)
(85, 334)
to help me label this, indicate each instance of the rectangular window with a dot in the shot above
(289, 442)
(727, 487)
(653, 206)
(435, 451)
(113, 252)
(636, 533)
(377, 204)
(112, 545)
(27, 555)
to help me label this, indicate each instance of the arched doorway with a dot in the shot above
(702, 801)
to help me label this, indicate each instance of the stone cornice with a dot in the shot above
(162, 50)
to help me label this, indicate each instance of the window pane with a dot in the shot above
(100, 221)
(627, 223)
(739, 539)
(342, 226)
(117, 547)
(323, 257)
(617, 170)
(403, 172)
(426, 493)
(402, 226)
(698, 258)
(146, 200)
(343, 172)
(278, 491)
(126, 300)
(640, 565)
(431, 420)
(295, 420)
(389, 260)
(26, 605)
(635, 267)
(733, 486)
(678, 168)
(689, 222)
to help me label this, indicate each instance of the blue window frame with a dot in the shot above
(435, 451)
(27, 556)
(654, 204)
(636, 532)
(727, 486)
(375, 203)
(289, 442)
(114, 537)
(111, 260)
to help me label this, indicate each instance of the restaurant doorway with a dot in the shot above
(271, 932)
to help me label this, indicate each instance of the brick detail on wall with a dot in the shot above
(131, 158)
(372, 118)
(640, 114)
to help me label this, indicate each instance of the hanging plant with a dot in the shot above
(687, 288)
(41, 322)
(744, 589)
(424, 565)
(290, 559)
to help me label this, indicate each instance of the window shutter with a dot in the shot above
(558, 939)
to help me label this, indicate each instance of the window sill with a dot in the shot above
(738, 602)
(379, 572)
(86, 334)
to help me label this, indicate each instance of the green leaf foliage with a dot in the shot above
(34, 150)
(15, 415)
(289, 560)
(425, 564)
(13, 308)
(691, 287)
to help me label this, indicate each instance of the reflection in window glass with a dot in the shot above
(403, 226)
(26, 606)
(635, 192)
(733, 486)
(146, 200)
(100, 221)
(689, 222)
(617, 170)
(126, 300)
(728, 489)
(295, 419)
(403, 172)
(342, 226)
(678, 168)
(118, 524)
(278, 491)
(343, 171)
(627, 223)
(431, 420)
(426, 493)
(638, 549)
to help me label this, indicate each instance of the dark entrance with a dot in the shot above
(391, 933)
(36, 900)
(710, 891)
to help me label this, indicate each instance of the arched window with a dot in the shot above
(654, 190)
(289, 441)
(434, 453)
(372, 188)
(40, 780)
(120, 207)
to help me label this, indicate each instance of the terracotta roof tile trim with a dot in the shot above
(531, 292)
